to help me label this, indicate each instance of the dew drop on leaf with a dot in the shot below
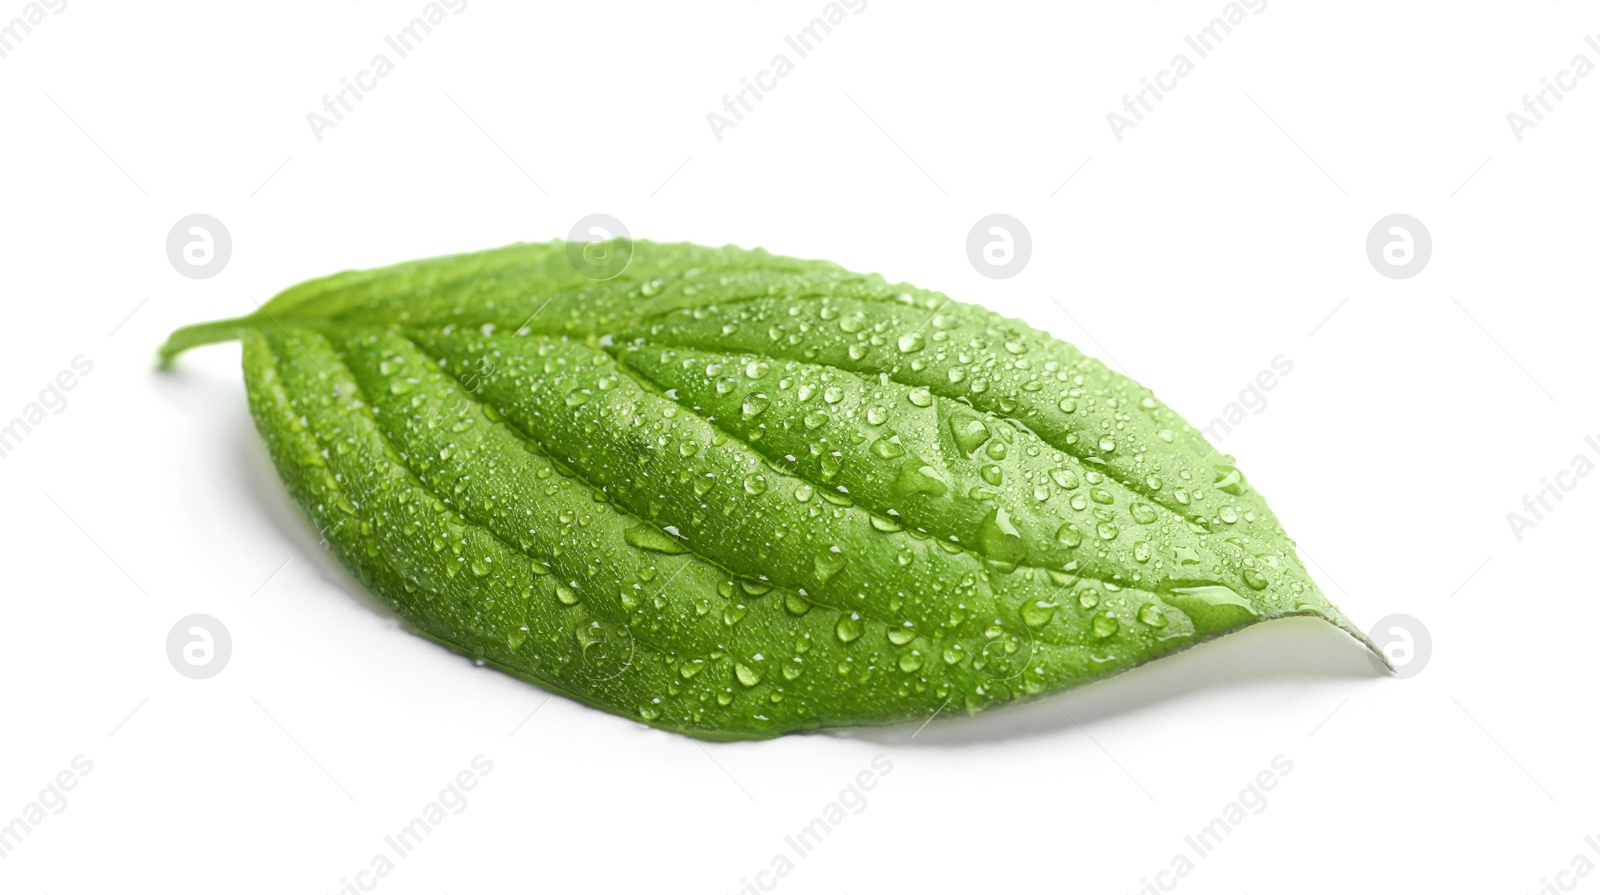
(848, 628)
(747, 676)
(1105, 625)
(1038, 613)
(1151, 615)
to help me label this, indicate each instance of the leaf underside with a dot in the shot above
(733, 494)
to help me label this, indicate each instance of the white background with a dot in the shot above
(1226, 229)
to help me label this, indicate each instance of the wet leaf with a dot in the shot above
(735, 495)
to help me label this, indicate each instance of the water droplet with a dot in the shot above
(1214, 607)
(921, 397)
(830, 467)
(969, 432)
(911, 342)
(1105, 625)
(999, 540)
(1255, 579)
(647, 538)
(755, 405)
(848, 628)
(747, 676)
(1069, 535)
(910, 660)
(1151, 615)
(886, 448)
(828, 564)
(1038, 613)
(1143, 513)
(916, 477)
(1229, 481)
(755, 483)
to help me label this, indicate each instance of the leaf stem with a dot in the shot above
(200, 334)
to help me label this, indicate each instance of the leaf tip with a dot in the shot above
(1365, 640)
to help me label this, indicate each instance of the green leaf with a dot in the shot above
(732, 494)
